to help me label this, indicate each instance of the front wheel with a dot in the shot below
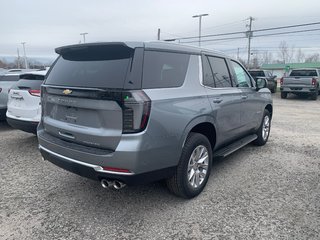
(194, 167)
(264, 129)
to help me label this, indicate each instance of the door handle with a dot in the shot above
(217, 100)
(244, 96)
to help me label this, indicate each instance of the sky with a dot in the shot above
(45, 25)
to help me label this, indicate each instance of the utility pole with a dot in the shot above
(84, 36)
(249, 36)
(200, 18)
(238, 54)
(18, 64)
(158, 34)
(24, 55)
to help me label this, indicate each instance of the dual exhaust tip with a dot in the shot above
(115, 184)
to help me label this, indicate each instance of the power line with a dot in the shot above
(281, 33)
(261, 35)
(243, 32)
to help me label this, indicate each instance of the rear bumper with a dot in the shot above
(298, 89)
(26, 126)
(97, 173)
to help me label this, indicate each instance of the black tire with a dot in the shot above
(179, 183)
(284, 95)
(262, 139)
(314, 96)
(273, 90)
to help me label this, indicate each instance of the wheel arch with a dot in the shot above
(204, 125)
(270, 109)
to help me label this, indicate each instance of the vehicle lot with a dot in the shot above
(269, 192)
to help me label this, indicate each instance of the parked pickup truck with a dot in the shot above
(300, 82)
(271, 79)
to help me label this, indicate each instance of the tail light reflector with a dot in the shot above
(112, 169)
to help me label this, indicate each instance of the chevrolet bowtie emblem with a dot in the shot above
(67, 91)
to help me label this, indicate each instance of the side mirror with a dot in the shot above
(261, 83)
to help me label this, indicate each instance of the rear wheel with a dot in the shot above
(264, 129)
(314, 96)
(194, 167)
(284, 95)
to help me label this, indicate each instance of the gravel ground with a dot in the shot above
(269, 192)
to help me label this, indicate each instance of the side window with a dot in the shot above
(242, 77)
(164, 69)
(220, 72)
(207, 73)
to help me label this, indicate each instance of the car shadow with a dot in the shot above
(4, 126)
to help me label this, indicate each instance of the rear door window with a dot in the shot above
(207, 73)
(101, 66)
(164, 69)
(220, 72)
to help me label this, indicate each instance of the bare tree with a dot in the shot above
(285, 52)
(313, 58)
(300, 57)
(266, 57)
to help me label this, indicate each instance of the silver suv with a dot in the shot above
(129, 113)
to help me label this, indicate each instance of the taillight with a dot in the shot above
(35, 92)
(281, 81)
(136, 111)
(314, 81)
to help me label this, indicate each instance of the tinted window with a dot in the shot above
(242, 77)
(207, 73)
(32, 77)
(9, 78)
(257, 73)
(164, 69)
(92, 66)
(303, 73)
(220, 72)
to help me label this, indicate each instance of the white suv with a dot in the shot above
(24, 106)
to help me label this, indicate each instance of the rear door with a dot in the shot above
(224, 98)
(82, 94)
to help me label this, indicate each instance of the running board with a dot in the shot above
(235, 146)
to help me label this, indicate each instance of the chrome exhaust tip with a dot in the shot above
(118, 185)
(105, 183)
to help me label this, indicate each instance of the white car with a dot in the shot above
(24, 106)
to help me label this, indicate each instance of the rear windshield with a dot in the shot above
(164, 69)
(92, 66)
(10, 78)
(32, 77)
(303, 73)
(257, 73)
